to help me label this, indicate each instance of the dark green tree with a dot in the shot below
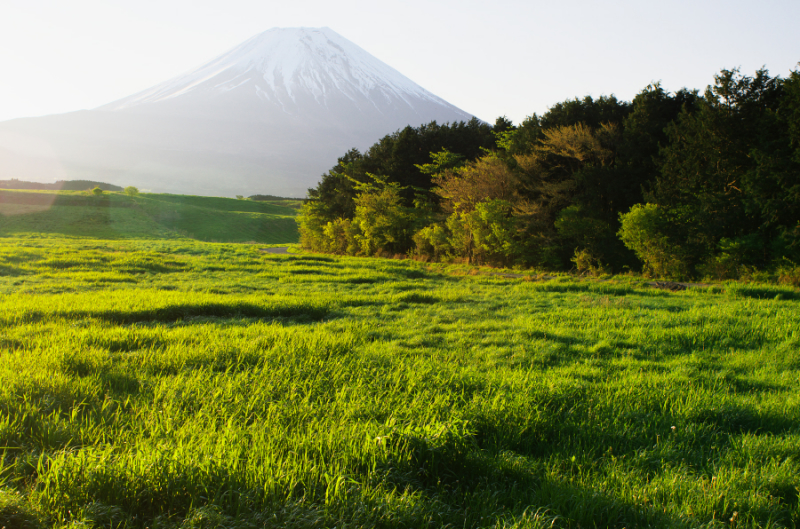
(336, 190)
(725, 172)
(397, 156)
(589, 111)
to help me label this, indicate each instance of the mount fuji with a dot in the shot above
(269, 116)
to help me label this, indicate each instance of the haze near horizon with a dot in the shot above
(511, 58)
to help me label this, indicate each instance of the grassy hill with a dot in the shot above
(60, 185)
(161, 216)
(179, 384)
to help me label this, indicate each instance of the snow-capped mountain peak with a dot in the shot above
(282, 63)
(268, 116)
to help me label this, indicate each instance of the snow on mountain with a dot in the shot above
(269, 116)
(280, 62)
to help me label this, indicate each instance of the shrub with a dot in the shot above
(788, 273)
(493, 229)
(97, 191)
(485, 235)
(311, 225)
(587, 234)
(384, 224)
(573, 225)
(643, 231)
(340, 237)
(586, 263)
(432, 241)
(732, 257)
(131, 191)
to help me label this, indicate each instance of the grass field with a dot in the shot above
(115, 215)
(177, 383)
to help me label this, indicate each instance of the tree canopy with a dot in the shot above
(677, 184)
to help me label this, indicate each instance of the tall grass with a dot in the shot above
(184, 384)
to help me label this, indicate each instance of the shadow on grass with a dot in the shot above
(485, 488)
(304, 259)
(446, 482)
(112, 379)
(738, 420)
(739, 290)
(220, 310)
(305, 271)
(415, 297)
(299, 312)
(12, 271)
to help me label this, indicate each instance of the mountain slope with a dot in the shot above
(269, 116)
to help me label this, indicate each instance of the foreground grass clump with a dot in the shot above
(177, 384)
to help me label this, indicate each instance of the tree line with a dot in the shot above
(677, 185)
(59, 185)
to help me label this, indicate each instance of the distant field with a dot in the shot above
(114, 215)
(178, 384)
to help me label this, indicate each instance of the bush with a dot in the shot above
(384, 224)
(788, 273)
(311, 224)
(485, 235)
(97, 191)
(432, 241)
(574, 226)
(340, 237)
(587, 234)
(493, 230)
(131, 191)
(732, 257)
(643, 231)
(586, 263)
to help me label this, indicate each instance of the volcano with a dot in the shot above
(267, 117)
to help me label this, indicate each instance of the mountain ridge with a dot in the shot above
(268, 116)
(258, 55)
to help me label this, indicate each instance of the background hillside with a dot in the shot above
(113, 215)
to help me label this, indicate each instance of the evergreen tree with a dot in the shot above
(709, 177)
(591, 112)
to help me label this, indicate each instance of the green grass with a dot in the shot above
(176, 383)
(115, 216)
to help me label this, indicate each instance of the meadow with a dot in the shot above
(175, 383)
(148, 215)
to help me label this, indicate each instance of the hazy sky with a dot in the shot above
(505, 57)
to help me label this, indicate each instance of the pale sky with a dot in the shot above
(506, 57)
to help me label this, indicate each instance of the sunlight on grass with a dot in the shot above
(177, 383)
(118, 216)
